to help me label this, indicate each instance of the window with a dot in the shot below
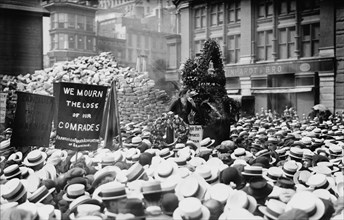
(80, 22)
(53, 42)
(71, 41)
(216, 14)
(286, 43)
(310, 5)
(53, 20)
(172, 56)
(258, 82)
(89, 43)
(62, 42)
(219, 41)
(265, 8)
(310, 35)
(283, 80)
(232, 83)
(198, 46)
(200, 17)
(89, 24)
(286, 7)
(81, 42)
(278, 102)
(264, 45)
(233, 54)
(234, 11)
(71, 21)
(61, 20)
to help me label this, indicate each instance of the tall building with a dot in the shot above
(21, 38)
(72, 29)
(277, 53)
(143, 24)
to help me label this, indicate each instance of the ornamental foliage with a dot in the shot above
(212, 100)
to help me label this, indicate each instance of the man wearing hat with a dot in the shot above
(152, 194)
(14, 191)
(113, 195)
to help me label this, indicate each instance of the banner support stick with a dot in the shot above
(117, 115)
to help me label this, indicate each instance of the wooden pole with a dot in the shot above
(117, 114)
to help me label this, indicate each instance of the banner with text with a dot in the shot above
(3, 99)
(80, 111)
(196, 134)
(32, 122)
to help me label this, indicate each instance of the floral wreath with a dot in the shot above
(159, 129)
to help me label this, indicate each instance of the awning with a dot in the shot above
(274, 90)
(232, 91)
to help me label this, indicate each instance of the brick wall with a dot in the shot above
(339, 92)
(21, 42)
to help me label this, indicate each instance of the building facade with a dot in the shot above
(21, 38)
(277, 53)
(339, 92)
(72, 29)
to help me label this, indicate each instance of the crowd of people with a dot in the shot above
(269, 168)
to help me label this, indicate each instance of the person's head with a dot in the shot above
(169, 203)
(115, 205)
(183, 93)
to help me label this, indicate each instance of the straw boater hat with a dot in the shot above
(295, 152)
(132, 154)
(40, 194)
(252, 171)
(26, 172)
(165, 153)
(273, 173)
(85, 199)
(34, 158)
(11, 172)
(207, 142)
(240, 152)
(240, 199)
(108, 159)
(13, 190)
(16, 157)
(301, 177)
(210, 174)
(136, 171)
(318, 181)
(330, 165)
(85, 210)
(112, 191)
(151, 187)
(191, 208)
(219, 192)
(106, 171)
(192, 186)
(308, 202)
(74, 191)
(273, 209)
(335, 150)
(136, 141)
(290, 168)
(165, 169)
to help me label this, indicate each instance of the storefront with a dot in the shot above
(299, 84)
